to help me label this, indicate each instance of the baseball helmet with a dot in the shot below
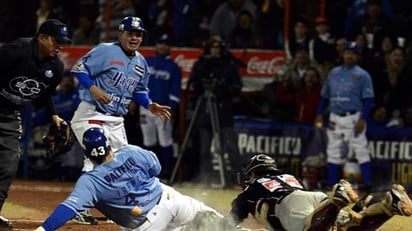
(96, 144)
(131, 23)
(260, 164)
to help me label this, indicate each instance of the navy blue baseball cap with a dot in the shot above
(56, 29)
(132, 23)
(164, 38)
(354, 46)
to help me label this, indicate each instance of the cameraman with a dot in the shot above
(215, 73)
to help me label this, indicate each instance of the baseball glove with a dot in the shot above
(59, 140)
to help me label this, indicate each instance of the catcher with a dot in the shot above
(280, 202)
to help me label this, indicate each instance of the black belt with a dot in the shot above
(106, 113)
(347, 113)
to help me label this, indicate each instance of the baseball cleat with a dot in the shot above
(85, 218)
(343, 190)
(5, 224)
(400, 202)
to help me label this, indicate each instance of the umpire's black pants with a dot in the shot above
(10, 151)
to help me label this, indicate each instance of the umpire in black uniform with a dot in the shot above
(30, 71)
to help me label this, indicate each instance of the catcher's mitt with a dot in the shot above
(57, 140)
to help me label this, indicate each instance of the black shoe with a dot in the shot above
(85, 218)
(5, 224)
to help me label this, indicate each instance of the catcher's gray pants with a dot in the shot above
(10, 151)
(296, 207)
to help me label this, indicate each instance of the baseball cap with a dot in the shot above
(321, 20)
(56, 29)
(131, 23)
(354, 46)
(164, 38)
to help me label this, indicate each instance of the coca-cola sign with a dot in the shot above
(259, 63)
(259, 66)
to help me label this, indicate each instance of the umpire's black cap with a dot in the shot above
(56, 29)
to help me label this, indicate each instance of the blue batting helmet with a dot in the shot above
(132, 23)
(96, 144)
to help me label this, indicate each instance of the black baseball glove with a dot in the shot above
(59, 140)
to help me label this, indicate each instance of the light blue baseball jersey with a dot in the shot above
(114, 72)
(346, 87)
(124, 189)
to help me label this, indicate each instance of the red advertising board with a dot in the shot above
(260, 65)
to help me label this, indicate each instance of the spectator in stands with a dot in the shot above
(374, 23)
(160, 20)
(377, 118)
(269, 24)
(308, 97)
(299, 38)
(52, 9)
(322, 46)
(407, 117)
(340, 48)
(298, 66)
(391, 83)
(110, 17)
(87, 33)
(244, 34)
(278, 97)
(223, 21)
(380, 54)
(185, 19)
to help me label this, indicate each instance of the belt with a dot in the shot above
(106, 113)
(145, 219)
(347, 113)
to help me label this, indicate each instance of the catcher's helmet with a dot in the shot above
(260, 164)
(96, 144)
(131, 23)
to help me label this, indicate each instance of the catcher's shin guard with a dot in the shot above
(324, 217)
(396, 202)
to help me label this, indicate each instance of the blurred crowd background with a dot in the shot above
(312, 33)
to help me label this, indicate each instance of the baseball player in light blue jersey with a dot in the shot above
(124, 187)
(165, 87)
(111, 76)
(349, 92)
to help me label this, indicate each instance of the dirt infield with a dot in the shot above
(30, 202)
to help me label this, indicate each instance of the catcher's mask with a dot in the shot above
(96, 144)
(259, 164)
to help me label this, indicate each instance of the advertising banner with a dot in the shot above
(295, 146)
(256, 67)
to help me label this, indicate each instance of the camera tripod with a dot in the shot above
(210, 99)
